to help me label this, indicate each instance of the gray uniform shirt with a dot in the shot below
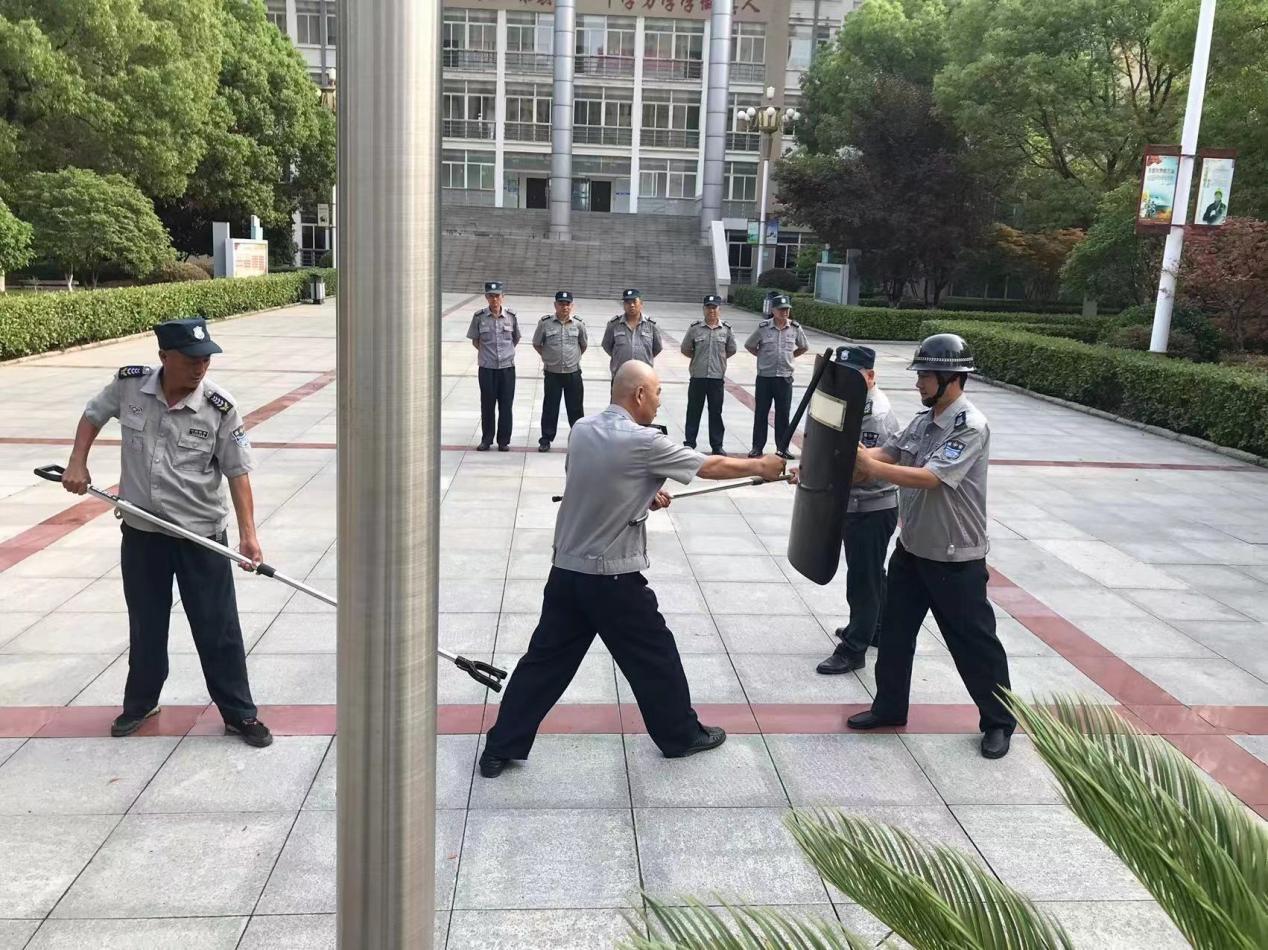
(497, 336)
(562, 343)
(623, 344)
(615, 467)
(880, 423)
(947, 523)
(774, 348)
(174, 458)
(709, 349)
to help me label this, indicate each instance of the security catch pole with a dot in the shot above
(1180, 207)
(389, 477)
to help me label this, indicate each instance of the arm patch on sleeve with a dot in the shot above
(219, 401)
(239, 436)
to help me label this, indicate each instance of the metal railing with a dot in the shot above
(743, 141)
(527, 61)
(672, 69)
(739, 209)
(604, 65)
(467, 129)
(601, 135)
(528, 131)
(478, 59)
(671, 138)
(748, 72)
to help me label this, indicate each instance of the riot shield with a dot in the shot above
(833, 425)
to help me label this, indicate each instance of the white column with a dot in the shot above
(499, 116)
(292, 21)
(297, 235)
(705, 67)
(561, 120)
(636, 120)
(1180, 207)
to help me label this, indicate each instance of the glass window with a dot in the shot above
(308, 31)
(748, 43)
(275, 10)
(469, 170)
(741, 181)
(671, 110)
(530, 32)
(667, 178)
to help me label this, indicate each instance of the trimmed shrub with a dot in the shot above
(173, 272)
(1225, 405)
(780, 278)
(38, 323)
(1192, 336)
(204, 262)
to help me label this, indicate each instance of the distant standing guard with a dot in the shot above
(181, 434)
(776, 342)
(560, 339)
(939, 462)
(870, 520)
(495, 332)
(630, 335)
(710, 343)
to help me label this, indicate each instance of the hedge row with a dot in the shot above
(37, 323)
(1222, 404)
(872, 323)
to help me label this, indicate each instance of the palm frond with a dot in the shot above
(694, 926)
(1196, 849)
(932, 897)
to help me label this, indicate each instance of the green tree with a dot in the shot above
(115, 86)
(269, 142)
(1070, 92)
(1113, 264)
(85, 222)
(15, 242)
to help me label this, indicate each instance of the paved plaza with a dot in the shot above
(1126, 567)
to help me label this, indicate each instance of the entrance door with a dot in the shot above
(600, 196)
(536, 196)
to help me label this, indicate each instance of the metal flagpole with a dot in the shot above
(1180, 207)
(388, 456)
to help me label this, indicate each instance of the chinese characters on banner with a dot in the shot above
(1214, 187)
(1158, 187)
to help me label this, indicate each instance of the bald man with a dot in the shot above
(616, 467)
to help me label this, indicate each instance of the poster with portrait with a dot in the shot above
(1158, 180)
(1215, 185)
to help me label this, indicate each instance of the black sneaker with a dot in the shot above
(491, 766)
(710, 737)
(504, 448)
(484, 446)
(125, 725)
(252, 731)
(543, 446)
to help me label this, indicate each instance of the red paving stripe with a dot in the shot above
(35, 539)
(1241, 772)
(266, 412)
(1251, 720)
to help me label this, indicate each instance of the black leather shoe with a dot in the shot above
(252, 731)
(995, 743)
(710, 738)
(690, 445)
(484, 446)
(125, 725)
(543, 446)
(755, 454)
(504, 448)
(787, 456)
(491, 766)
(869, 720)
(842, 664)
(717, 452)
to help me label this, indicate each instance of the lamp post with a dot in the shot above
(769, 121)
(328, 100)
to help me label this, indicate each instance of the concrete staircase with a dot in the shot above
(661, 255)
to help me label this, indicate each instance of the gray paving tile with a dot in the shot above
(757, 633)
(962, 777)
(8, 747)
(740, 773)
(537, 859)
(563, 771)
(536, 929)
(184, 685)
(14, 934)
(219, 774)
(769, 678)
(743, 855)
(1091, 600)
(746, 598)
(93, 776)
(290, 932)
(1018, 641)
(1210, 681)
(177, 933)
(65, 633)
(1142, 637)
(298, 633)
(1257, 745)
(235, 855)
(43, 853)
(1045, 852)
(734, 568)
(40, 595)
(1108, 566)
(45, 680)
(849, 770)
(468, 633)
(694, 633)
(1183, 605)
(1123, 925)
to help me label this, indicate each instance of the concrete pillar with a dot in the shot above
(388, 346)
(499, 117)
(636, 131)
(561, 121)
(716, 119)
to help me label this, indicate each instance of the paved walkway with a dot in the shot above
(1127, 567)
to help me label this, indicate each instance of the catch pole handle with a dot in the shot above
(51, 473)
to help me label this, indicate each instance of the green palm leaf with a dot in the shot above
(932, 897)
(697, 927)
(1193, 846)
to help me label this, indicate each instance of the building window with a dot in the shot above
(603, 116)
(605, 46)
(528, 112)
(671, 119)
(468, 38)
(308, 22)
(275, 10)
(740, 181)
(748, 43)
(673, 49)
(530, 32)
(666, 178)
(472, 171)
(468, 109)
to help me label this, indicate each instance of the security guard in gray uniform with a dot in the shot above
(495, 332)
(181, 435)
(709, 343)
(870, 520)
(630, 335)
(776, 342)
(939, 463)
(560, 340)
(617, 463)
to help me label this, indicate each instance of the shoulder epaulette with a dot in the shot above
(725, 324)
(650, 320)
(766, 323)
(128, 372)
(549, 316)
(219, 401)
(619, 316)
(696, 323)
(794, 323)
(512, 313)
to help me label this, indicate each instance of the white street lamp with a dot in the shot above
(767, 121)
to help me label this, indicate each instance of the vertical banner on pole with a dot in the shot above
(1215, 185)
(1160, 173)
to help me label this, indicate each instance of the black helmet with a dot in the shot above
(943, 353)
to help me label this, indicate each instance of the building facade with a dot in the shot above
(639, 100)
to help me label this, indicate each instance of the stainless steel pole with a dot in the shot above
(388, 456)
(561, 121)
(717, 116)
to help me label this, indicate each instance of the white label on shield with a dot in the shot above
(828, 409)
